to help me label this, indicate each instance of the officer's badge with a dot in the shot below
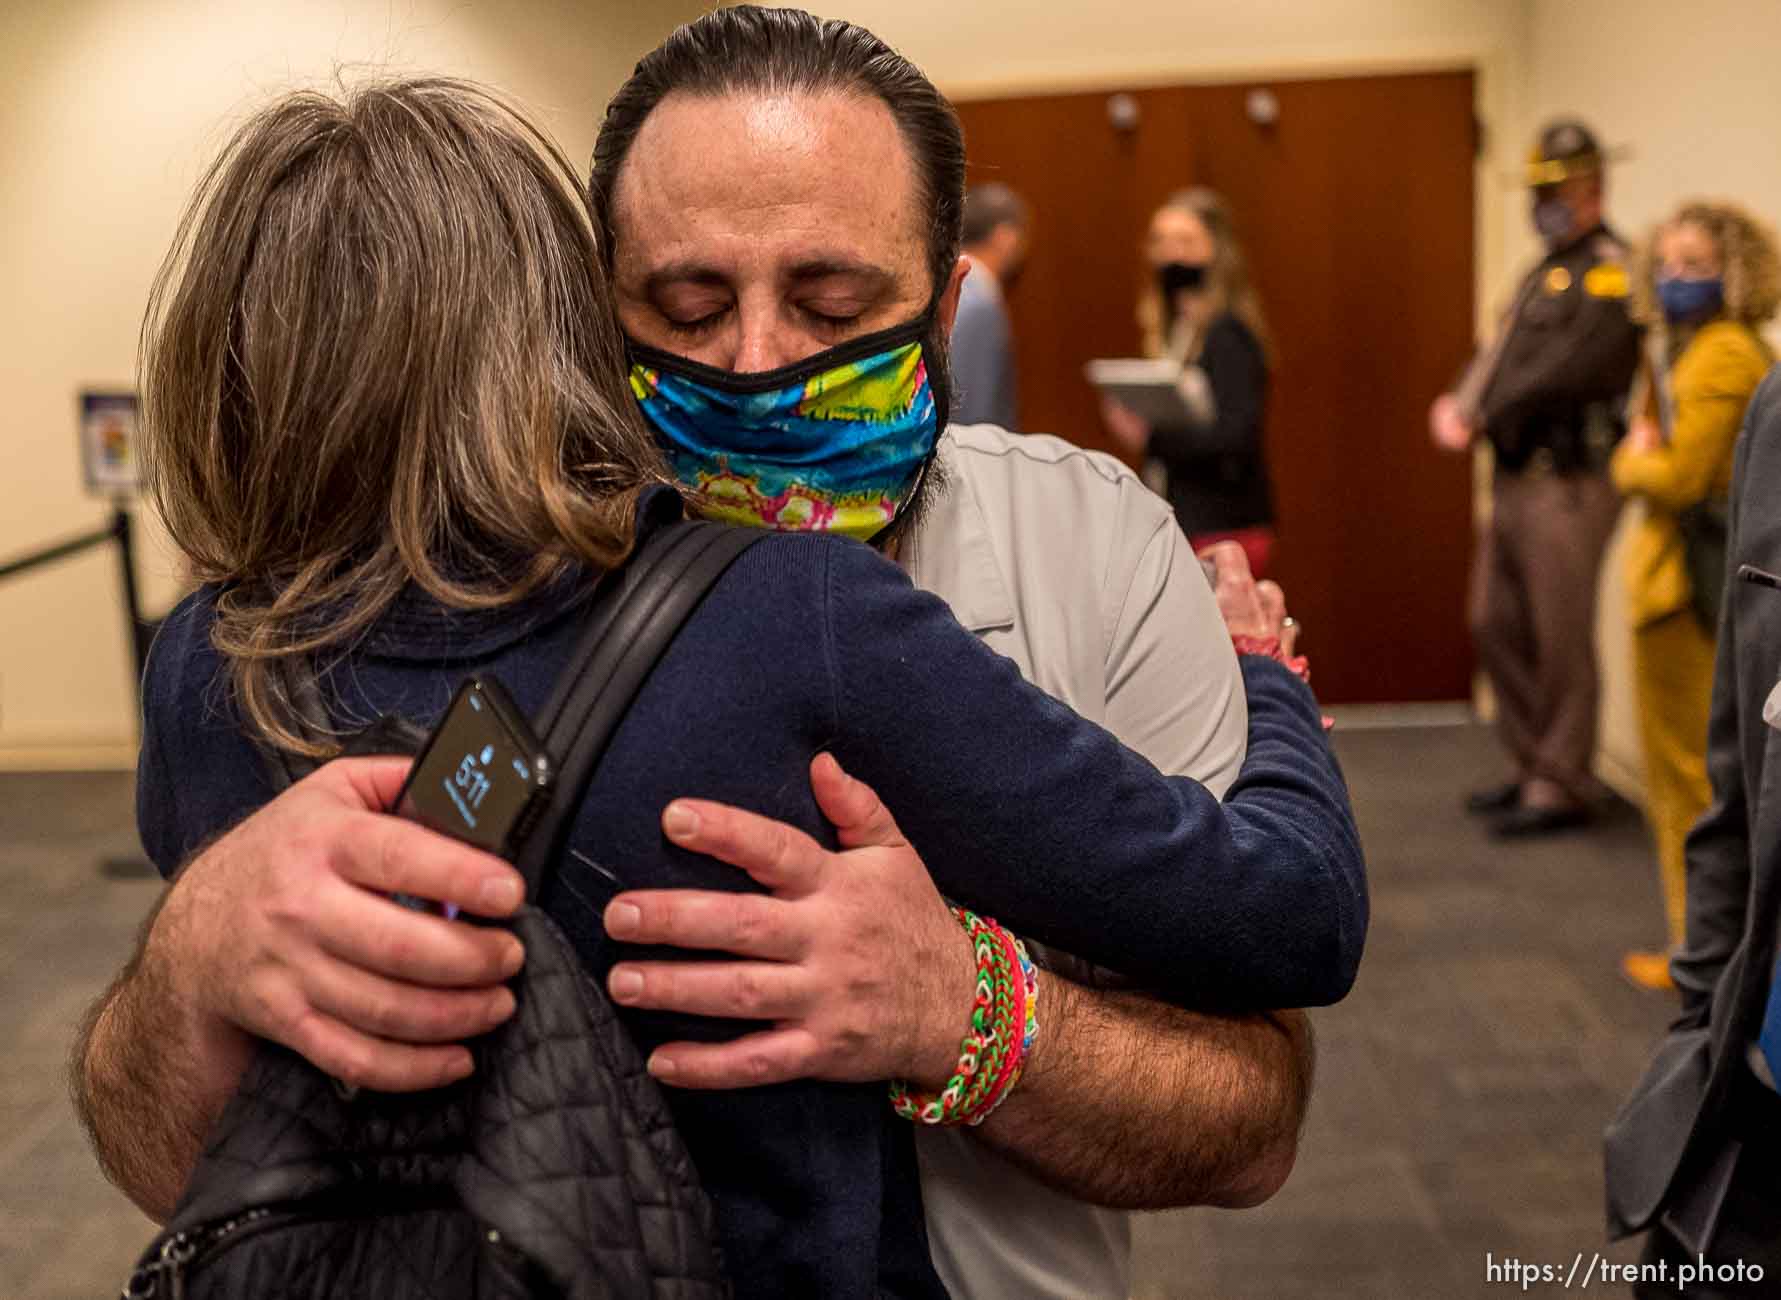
(1557, 281)
(1606, 280)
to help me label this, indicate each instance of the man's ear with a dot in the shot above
(947, 309)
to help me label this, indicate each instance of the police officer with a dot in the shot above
(1549, 394)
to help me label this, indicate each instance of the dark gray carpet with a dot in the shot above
(1463, 1085)
(1461, 1091)
(65, 927)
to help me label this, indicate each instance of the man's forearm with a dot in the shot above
(1132, 1103)
(149, 1079)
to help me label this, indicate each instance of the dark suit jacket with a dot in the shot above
(1672, 1131)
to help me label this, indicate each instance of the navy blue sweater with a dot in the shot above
(1019, 807)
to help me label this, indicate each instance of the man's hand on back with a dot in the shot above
(853, 956)
(867, 976)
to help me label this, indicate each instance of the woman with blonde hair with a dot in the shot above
(1706, 279)
(1199, 309)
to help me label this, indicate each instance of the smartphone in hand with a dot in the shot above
(482, 777)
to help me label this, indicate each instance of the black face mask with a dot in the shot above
(1174, 277)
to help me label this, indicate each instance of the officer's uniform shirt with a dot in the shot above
(1555, 397)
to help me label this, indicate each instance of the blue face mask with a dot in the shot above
(1690, 300)
(1553, 221)
(836, 442)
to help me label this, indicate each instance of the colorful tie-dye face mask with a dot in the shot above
(836, 442)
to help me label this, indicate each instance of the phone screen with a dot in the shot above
(480, 775)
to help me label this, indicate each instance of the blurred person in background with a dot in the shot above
(1695, 1153)
(1549, 393)
(1200, 310)
(995, 240)
(1707, 279)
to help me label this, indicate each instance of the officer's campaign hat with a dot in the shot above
(1566, 148)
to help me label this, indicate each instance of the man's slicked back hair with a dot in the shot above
(752, 49)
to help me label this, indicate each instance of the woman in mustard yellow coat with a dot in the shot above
(1709, 277)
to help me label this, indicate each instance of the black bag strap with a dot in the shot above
(636, 613)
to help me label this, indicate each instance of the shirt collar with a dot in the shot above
(951, 552)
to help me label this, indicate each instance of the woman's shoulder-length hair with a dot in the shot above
(382, 351)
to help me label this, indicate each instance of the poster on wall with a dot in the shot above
(108, 443)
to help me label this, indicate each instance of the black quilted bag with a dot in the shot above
(553, 1170)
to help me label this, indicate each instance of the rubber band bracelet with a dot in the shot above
(1007, 1015)
(1026, 1024)
(943, 1106)
(991, 1052)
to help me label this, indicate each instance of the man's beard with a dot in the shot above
(931, 486)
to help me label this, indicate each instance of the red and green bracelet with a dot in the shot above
(1001, 1062)
(1025, 1022)
(1003, 1024)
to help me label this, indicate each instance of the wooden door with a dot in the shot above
(1073, 301)
(1355, 206)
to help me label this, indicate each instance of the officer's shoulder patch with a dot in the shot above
(1606, 280)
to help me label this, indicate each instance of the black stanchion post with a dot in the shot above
(141, 630)
(141, 633)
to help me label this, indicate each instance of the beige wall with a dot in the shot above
(111, 109)
(1692, 94)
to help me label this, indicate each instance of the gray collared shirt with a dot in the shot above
(1063, 561)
